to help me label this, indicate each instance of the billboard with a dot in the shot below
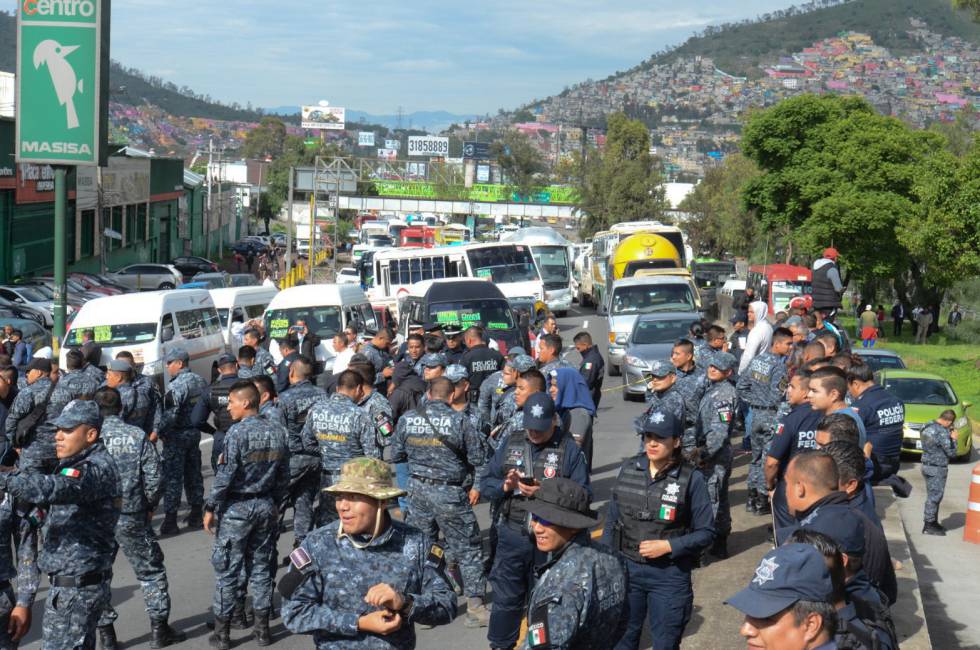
(365, 139)
(325, 118)
(388, 154)
(476, 151)
(62, 72)
(428, 145)
(483, 173)
(393, 144)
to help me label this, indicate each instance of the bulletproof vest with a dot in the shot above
(822, 289)
(482, 363)
(851, 635)
(657, 511)
(132, 407)
(549, 464)
(219, 405)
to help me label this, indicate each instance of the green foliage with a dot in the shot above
(268, 139)
(959, 133)
(968, 331)
(625, 183)
(520, 161)
(523, 115)
(720, 225)
(969, 5)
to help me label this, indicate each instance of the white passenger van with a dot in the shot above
(149, 325)
(326, 309)
(238, 305)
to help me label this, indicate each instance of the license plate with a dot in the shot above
(918, 445)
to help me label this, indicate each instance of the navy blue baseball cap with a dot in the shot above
(177, 354)
(539, 412)
(662, 368)
(77, 412)
(788, 574)
(227, 360)
(661, 424)
(723, 361)
(840, 524)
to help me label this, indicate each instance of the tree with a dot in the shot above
(268, 139)
(523, 115)
(972, 5)
(625, 183)
(520, 161)
(959, 133)
(720, 225)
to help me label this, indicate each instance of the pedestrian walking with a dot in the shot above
(593, 367)
(868, 327)
(898, 318)
(939, 439)
(923, 322)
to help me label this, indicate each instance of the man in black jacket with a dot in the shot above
(593, 367)
(308, 341)
(826, 284)
(479, 360)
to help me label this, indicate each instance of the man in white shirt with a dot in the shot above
(760, 334)
(344, 353)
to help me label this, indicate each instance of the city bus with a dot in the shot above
(605, 243)
(452, 234)
(778, 284)
(509, 266)
(551, 253)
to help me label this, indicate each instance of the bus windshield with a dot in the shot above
(113, 335)
(553, 265)
(324, 321)
(646, 298)
(783, 291)
(491, 314)
(503, 263)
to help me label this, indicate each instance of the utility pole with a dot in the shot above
(221, 211)
(289, 222)
(60, 208)
(208, 180)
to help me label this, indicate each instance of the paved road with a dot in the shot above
(714, 625)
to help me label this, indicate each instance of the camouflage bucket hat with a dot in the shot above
(368, 476)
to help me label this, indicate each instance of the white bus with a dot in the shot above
(509, 266)
(551, 253)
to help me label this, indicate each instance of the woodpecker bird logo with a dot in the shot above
(53, 54)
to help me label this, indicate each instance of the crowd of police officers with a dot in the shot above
(433, 427)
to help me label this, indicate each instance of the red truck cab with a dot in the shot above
(417, 237)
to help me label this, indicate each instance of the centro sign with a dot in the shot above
(62, 75)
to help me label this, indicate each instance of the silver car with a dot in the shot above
(147, 277)
(652, 339)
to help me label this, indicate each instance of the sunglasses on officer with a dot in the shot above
(541, 520)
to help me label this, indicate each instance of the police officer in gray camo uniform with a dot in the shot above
(252, 479)
(148, 413)
(504, 404)
(580, 595)
(82, 497)
(181, 444)
(264, 363)
(691, 383)
(268, 406)
(549, 354)
(75, 383)
(141, 482)
(15, 609)
(365, 581)
(713, 454)
(376, 351)
(661, 392)
(497, 386)
(938, 447)
(336, 431)
(297, 403)
(443, 451)
(36, 454)
(763, 386)
(375, 405)
(459, 376)
(214, 401)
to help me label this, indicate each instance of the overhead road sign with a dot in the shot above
(428, 145)
(62, 77)
(324, 118)
(476, 151)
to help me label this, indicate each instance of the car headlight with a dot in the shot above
(960, 422)
(637, 362)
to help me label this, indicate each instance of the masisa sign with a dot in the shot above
(62, 77)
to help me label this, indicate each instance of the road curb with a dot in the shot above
(908, 613)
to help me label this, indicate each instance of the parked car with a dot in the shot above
(878, 358)
(148, 277)
(78, 293)
(247, 246)
(348, 275)
(190, 265)
(265, 240)
(34, 335)
(23, 312)
(279, 240)
(214, 280)
(926, 396)
(652, 338)
(243, 280)
(95, 284)
(31, 297)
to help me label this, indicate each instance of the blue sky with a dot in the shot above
(419, 54)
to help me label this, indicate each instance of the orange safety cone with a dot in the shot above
(971, 531)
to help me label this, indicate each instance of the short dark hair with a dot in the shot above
(849, 460)
(74, 359)
(9, 373)
(246, 352)
(473, 331)
(441, 388)
(831, 378)
(832, 554)
(17, 332)
(252, 333)
(824, 609)
(126, 354)
(434, 344)
(782, 333)
(830, 336)
(304, 366)
(815, 347)
(415, 337)
(818, 468)
(553, 341)
(840, 426)
(948, 414)
(686, 344)
(290, 341)
(349, 380)
(264, 384)
(860, 371)
(534, 376)
(844, 361)
(810, 320)
(365, 370)
(109, 401)
(714, 333)
(583, 337)
(247, 390)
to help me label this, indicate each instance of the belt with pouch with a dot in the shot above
(84, 580)
(436, 481)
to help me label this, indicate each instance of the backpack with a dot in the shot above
(27, 426)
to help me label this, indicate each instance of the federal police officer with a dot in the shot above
(497, 396)
(297, 405)
(716, 416)
(939, 440)
(181, 443)
(443, 451)
(375, 404)
(366, 580)
(762, 386)
(580, 596)
(148, 398)
(539, 452)
(264, 363)
(459, 399)
(479, 360)
(214, 401)
(75, 383)
(593, 367)
(252, 479)
(118, 376)
(289, 348)
(660, 521)
(883, 416)
(268, 406)
(662, 392)
(455, 348)
(141, 483)
(36, 447)
(691, 383)
(377, 353)
(79, 546)
(337, 430)
(15, 609)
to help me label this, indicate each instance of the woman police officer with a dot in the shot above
(660, 521)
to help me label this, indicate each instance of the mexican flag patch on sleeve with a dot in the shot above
(724, 415)
(70, 472)
(668, 513)
(538, 635)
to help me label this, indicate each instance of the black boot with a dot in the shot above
(719, 549)
(241, 617)
(162, 635)
(221, 637)
(261, 630)
(933, 528)
(195, 518)
(169, 526)
(762, 506)
(750, 501)
(107, 637)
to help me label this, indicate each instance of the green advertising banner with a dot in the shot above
(553, 194)
(62, 76)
